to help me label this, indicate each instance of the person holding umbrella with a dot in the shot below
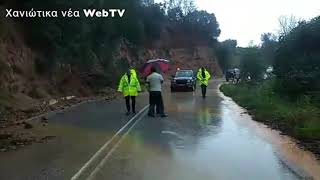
(130, 87)
(155, 81)
(150, 67)
(203, 76)
(161, 65)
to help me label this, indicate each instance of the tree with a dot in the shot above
(175, 14)
(203, 24)
(147, 2)
(188, 6)
(225, 52)
(83, 44)
(251, 63)
(153, 19)
(297, 61)
(268, 48)
(286, 24)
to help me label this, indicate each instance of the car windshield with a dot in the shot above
(184, 74)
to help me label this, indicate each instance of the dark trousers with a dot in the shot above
(203, 90)
(160, 107)
(133, 103)
(155, 100)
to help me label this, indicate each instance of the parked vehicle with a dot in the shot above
(233, 75)
(183, 80)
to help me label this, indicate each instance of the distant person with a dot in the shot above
(155, 81)
(237, 75)
(203, 76)
(130, 87)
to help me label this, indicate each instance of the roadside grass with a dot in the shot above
(300, 119)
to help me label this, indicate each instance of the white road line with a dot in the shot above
(95, 156)
(104, 160)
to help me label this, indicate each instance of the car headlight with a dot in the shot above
(189, 81)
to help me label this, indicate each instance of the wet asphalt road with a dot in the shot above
(210, 138)
(199, 140)
(79, 132)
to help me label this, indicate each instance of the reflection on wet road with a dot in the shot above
(206, 139)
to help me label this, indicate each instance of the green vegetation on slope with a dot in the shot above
(297, 60)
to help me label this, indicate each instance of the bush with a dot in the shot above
(297, 61)
(251, 63)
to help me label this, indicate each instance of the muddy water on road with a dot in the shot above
(207, 139)
(300, 161)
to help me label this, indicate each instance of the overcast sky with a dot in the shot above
(246, 20)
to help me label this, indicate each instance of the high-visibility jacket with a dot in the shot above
(202, 80)
(133, 72)
(129, 89)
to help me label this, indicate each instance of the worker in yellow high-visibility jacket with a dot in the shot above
(130, 87)
(203, 76)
